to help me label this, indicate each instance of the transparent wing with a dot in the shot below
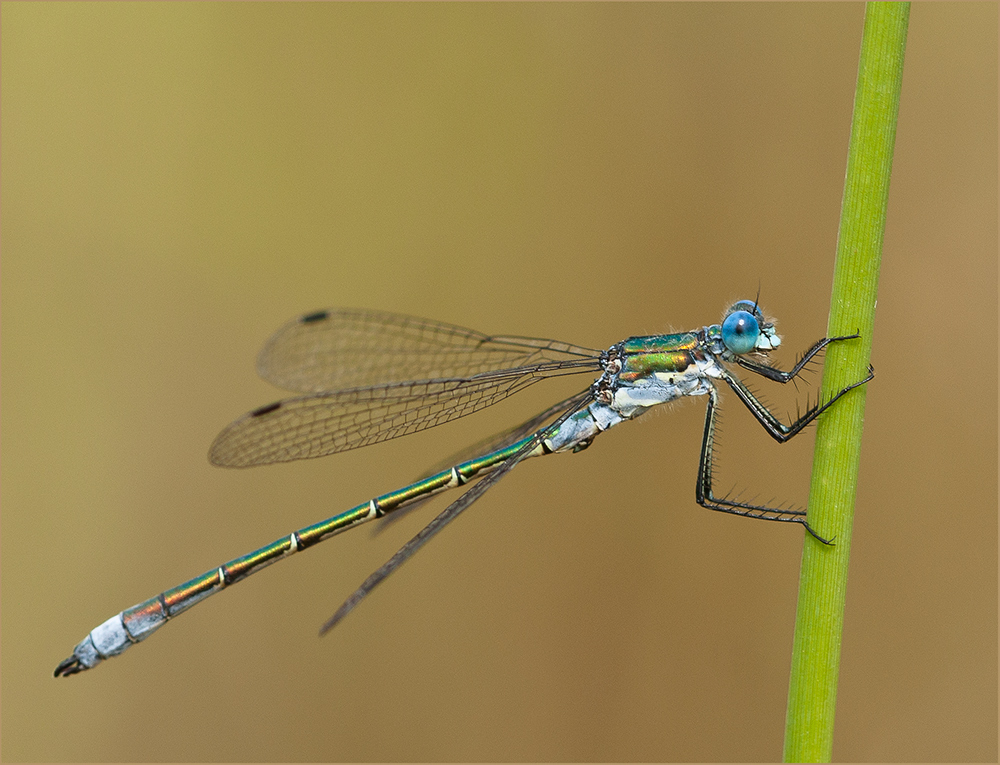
(498, 440)
(325, 423)
(354, 348)
(487, 445)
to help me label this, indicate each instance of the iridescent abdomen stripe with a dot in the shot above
(143, 619)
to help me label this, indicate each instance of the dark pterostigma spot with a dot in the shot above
(265, 409)
(313, 317)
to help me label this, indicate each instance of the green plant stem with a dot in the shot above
(819, 620)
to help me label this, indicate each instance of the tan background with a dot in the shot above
(179, 180)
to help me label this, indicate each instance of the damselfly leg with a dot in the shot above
(781, 433)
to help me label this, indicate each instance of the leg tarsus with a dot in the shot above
(829, 542)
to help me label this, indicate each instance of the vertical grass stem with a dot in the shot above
(819, 619)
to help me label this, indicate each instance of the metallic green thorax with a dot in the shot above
(644, 356)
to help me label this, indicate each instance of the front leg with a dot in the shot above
(776, 374)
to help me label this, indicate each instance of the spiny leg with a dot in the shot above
(706, 497)
(779, 376)
(775, 427)
(779, 430)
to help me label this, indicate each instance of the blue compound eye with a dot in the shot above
(740, 331)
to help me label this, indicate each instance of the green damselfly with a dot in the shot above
(368, 376)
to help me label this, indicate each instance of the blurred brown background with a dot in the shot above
(179, 180)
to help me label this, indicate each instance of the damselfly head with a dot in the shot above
(745, 330)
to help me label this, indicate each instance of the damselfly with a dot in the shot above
(368, 376)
